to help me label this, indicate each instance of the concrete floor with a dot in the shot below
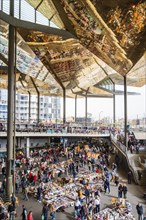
(135, 195)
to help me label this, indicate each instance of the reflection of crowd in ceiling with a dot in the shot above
(128, 24)
(102, 48)
(92, 34)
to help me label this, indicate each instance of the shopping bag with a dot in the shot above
(42, 217)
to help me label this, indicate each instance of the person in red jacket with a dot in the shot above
(34, 179)
(29, 216)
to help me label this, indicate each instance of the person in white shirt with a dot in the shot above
(77, 207)
(97, 204)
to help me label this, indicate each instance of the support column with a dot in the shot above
(35, 15)
(17, 141)
(11, 82)
(49, 140)
(29, 107)
(114, 106)
(38, 109)
(20, 142)
(86, 109)
(75, 108)
(56, 112)
(19, 9)
(64, 106)
(125, 111)
(27, 147)
(2, 5)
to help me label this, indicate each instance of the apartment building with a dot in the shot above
(49, 107)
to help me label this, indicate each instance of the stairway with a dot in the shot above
(134, 164)
(142, 180)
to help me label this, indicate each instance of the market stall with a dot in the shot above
(120, 209)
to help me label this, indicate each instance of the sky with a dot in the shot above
(103, 107)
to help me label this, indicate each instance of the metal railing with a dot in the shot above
(69, 130)
(123, 149)
(119, 144)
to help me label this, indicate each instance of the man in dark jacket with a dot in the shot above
(129, 177)
(125, 190)
(45, 211)
(39, 192)
(11, 211)
(24, 213)
(139, 209)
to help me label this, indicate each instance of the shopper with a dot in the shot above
(82, 213)
(45, 211)
(129, 177)
(53, 210)
(77, 207)
(139, 209)
(107, 185)
(120, 190)
(39, 192)
(13, 201)
(30, 216)
(87, 194)
(11, 212)
(26, 193)
(125, 190)
(24, 213)
(97, 204)
(116, 180)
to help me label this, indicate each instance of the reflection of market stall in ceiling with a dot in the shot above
(74, 65)
(28, 66)
(112, 31)
(24, 84)
(91, 62)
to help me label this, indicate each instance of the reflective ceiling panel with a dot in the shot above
(127, 19)
(138, 73)
(109, 40)
(27, 62)
(112, 30)
(73, 64)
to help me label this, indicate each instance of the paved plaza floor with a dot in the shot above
(135, 195)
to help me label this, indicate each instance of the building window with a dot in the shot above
(50, 105)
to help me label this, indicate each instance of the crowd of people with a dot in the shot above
(39, 170)
(58, 128)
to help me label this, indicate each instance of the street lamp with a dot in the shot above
(99, 115)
